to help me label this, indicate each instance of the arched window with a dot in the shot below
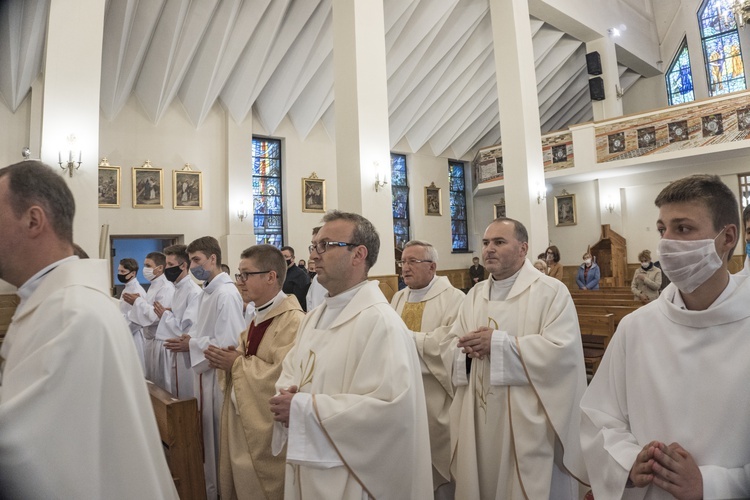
(680, 77)
(268, 223)
(721, 47)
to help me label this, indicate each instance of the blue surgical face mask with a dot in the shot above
(200, 273)
(747, 248)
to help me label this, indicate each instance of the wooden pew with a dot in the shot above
(588, 301)
(181, 435)
(8, 303)
(596, 332)
(618, 312)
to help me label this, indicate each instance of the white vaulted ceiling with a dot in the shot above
(275, 57)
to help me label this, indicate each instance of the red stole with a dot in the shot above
(255, 335)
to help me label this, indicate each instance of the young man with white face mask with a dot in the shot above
(656, 420)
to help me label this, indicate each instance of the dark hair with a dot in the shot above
(287, 247)
(129, 264)
(267, 258)
(364, 233)
(179, 252)
(708, 190)
(315, 230)
(207, 245)
(520, 231)
(159, 258)
(555, 253)
(30, 183)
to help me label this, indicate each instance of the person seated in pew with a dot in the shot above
(664, 416)
(248, 373)
(588, 274)
(541, 266)
(554, 268)
(646, 280)
(75, 415)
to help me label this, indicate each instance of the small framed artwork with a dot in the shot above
(313, 194)
(565, 210)
(187, 189)
(432, 202)
(500, 209)
(147, 186)
(109, 185)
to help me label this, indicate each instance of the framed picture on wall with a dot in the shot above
(109, 185)
(147, 186)
(187, 189)
(432, 202)
(565, 210)
(500, 209)
(313, 194)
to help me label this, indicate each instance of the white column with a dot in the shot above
(519, 117)
(72, 76)
(611, 106)
(239, 189)
(362, 141)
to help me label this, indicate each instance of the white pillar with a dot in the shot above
(611, 106)
(519, 117)
(72, 76)
(362, 140)
(239, 189)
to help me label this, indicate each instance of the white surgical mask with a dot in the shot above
(148, 273)
(587, 262)
(645, 265)
(688, 264)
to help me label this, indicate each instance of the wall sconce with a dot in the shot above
(69, 165)
(242, 211)
(381, 179)
(610, 205)
(541, 194)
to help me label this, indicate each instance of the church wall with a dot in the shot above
(15, 132)
(645, 94)
(573, 240)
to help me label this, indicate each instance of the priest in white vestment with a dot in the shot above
(219, 323)
(161, 290)
(75, 416)
(350, 390)
(247, 468)
(514, 419)
(127, 273)
(174, 372)
(666, 415)
(429, 306)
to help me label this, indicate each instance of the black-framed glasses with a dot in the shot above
(322, 246)
(411, 262)
(243, 276)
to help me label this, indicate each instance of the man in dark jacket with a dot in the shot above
(297, 281)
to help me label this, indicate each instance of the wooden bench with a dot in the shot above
(8, 303)
(596, 332)
(181, 435)
(618, 312)
(629, 302)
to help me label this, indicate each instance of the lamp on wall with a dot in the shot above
(610, 205)
(741, 11)
(541, 194)
(381, 178)
(70, 164)
(242, 212)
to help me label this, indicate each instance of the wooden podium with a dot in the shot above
(611, 254)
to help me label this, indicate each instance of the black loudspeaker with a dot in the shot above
(596, 89)
(593, 63)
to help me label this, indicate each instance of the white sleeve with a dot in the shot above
(506, 367)
(458, 377)
(307, 443)
(197, 358)
(143, 313)
(719, 482)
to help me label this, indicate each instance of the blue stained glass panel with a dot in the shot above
(721, 47)
(266, 167)
(680, 77)
(267, 206)
(398, 170)
(458, 206)
(266, 185)
(716, 17)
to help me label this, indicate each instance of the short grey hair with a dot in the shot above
(364, 233)
(432, 253)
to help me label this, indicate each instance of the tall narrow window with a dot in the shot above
(459, 230)
(680, 77)
(267, 214)
(744, 189)
(400, 197)
(721, 47)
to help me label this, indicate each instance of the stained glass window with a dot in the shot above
(267, 214)
(400, 197)
(459, 232)
(721, 47)
(680, 77)
(744, 189)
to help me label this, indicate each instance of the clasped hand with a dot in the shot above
(281, 403)
(670, 468)
(477, 343)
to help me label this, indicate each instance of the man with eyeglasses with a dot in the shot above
(429, 307)
(350, 403)
(248, 373)
(515, 414)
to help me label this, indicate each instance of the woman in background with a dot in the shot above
(588, 274)
(554, 268)
(646, 280)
